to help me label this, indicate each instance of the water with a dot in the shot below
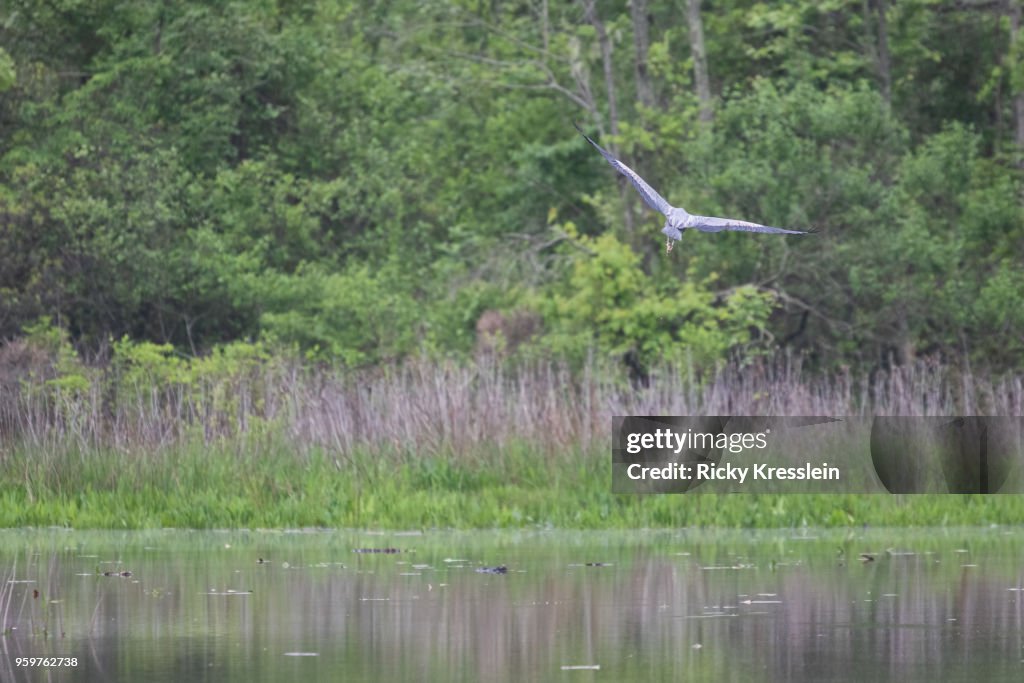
(931, 605)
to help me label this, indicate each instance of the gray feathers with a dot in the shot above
(677, 218)
(650, 195)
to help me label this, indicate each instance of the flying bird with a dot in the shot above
(677, 218)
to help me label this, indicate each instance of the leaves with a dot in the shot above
(361, 181)
(610, 304)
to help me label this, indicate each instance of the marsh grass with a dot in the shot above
(424, 444)
(423, 408)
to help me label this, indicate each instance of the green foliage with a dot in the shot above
(354, 317)
(610, 303)
(145, 365)
(362, 181)
(956, 215)
(8, 75)
(203, 487)
(143, 376)
(65, 372)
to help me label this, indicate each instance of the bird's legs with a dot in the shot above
(668, 245)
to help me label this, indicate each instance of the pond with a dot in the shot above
(934, 604)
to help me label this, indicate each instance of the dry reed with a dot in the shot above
(466, 410)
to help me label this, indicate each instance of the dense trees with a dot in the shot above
(363, 180)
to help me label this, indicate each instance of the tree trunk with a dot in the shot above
(884, 61)
(545, 27)
(1018, 93)
(700, 59)
(606, 62)
(642, 42)
(605, 44)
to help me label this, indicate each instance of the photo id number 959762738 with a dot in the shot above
(46, 661)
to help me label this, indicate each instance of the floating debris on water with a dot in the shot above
(735, 566)
(581, 667)
(301, 654)
(125, 573)
(501, 569)
(386, 551)
(599, 564)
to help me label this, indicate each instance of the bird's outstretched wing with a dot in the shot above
(712, 224)
(650, 195)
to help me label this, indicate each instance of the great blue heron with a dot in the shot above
(677, 218)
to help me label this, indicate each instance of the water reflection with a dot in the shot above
(936, 605)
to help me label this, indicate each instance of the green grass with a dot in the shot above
(268, 485)
(428, 445)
